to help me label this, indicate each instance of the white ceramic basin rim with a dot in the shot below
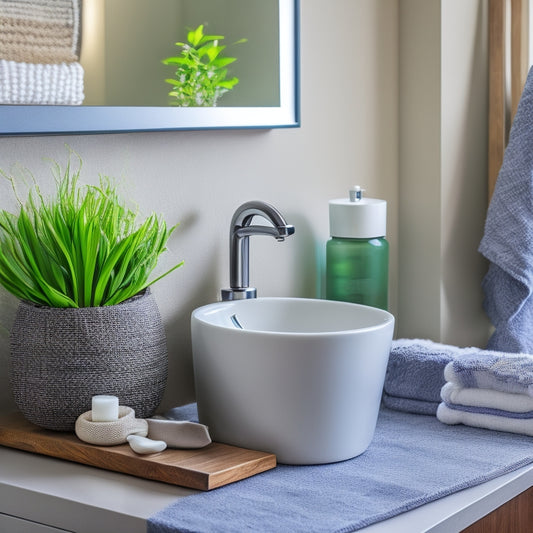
(293, 316)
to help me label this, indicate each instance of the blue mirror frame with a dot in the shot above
(40, 120)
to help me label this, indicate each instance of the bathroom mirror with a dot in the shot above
(124, 88)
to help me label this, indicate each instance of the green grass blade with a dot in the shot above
(83, 247)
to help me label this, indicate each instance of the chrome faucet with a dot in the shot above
(240, 232)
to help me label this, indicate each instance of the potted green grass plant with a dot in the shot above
(81, 262)
(201, 75)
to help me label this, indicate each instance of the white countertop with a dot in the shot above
(87, 500)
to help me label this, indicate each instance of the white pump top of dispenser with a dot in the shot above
(358, 217)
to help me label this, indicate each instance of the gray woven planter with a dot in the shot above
(60, 358)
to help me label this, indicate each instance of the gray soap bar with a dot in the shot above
(178, 433)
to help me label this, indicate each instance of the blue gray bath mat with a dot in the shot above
(413, 459)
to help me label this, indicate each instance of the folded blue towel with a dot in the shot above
(416, 369)
(412, 460)
(493, 370)
(508, 238)
(408, 405)
(415, 375)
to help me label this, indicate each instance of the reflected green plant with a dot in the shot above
(201, 76)
(83, 247)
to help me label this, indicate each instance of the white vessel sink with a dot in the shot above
(300, 378)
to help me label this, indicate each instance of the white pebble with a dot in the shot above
(143, 446)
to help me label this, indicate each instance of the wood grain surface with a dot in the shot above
(515, 516)
(204, 469)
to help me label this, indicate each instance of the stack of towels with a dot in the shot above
(491, 390)
(39, 52)
(471, 386)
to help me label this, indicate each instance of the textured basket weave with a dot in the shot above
(60, 358)
(113, 432)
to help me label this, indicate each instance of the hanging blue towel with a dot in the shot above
(508, 239)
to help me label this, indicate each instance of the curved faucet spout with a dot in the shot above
(240, 231)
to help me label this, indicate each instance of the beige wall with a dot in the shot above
(350, 134)
(442, 188)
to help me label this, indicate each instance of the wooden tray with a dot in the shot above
(204, 469)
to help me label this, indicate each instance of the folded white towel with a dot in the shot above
(31, 84)
(451, 416)
(492, 399)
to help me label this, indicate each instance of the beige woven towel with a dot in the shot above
(40, 31)
(110, 433)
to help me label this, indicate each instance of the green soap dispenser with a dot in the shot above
(357, 255)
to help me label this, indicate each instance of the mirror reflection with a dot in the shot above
(95, 66)
(124, 42)
(110, 52)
